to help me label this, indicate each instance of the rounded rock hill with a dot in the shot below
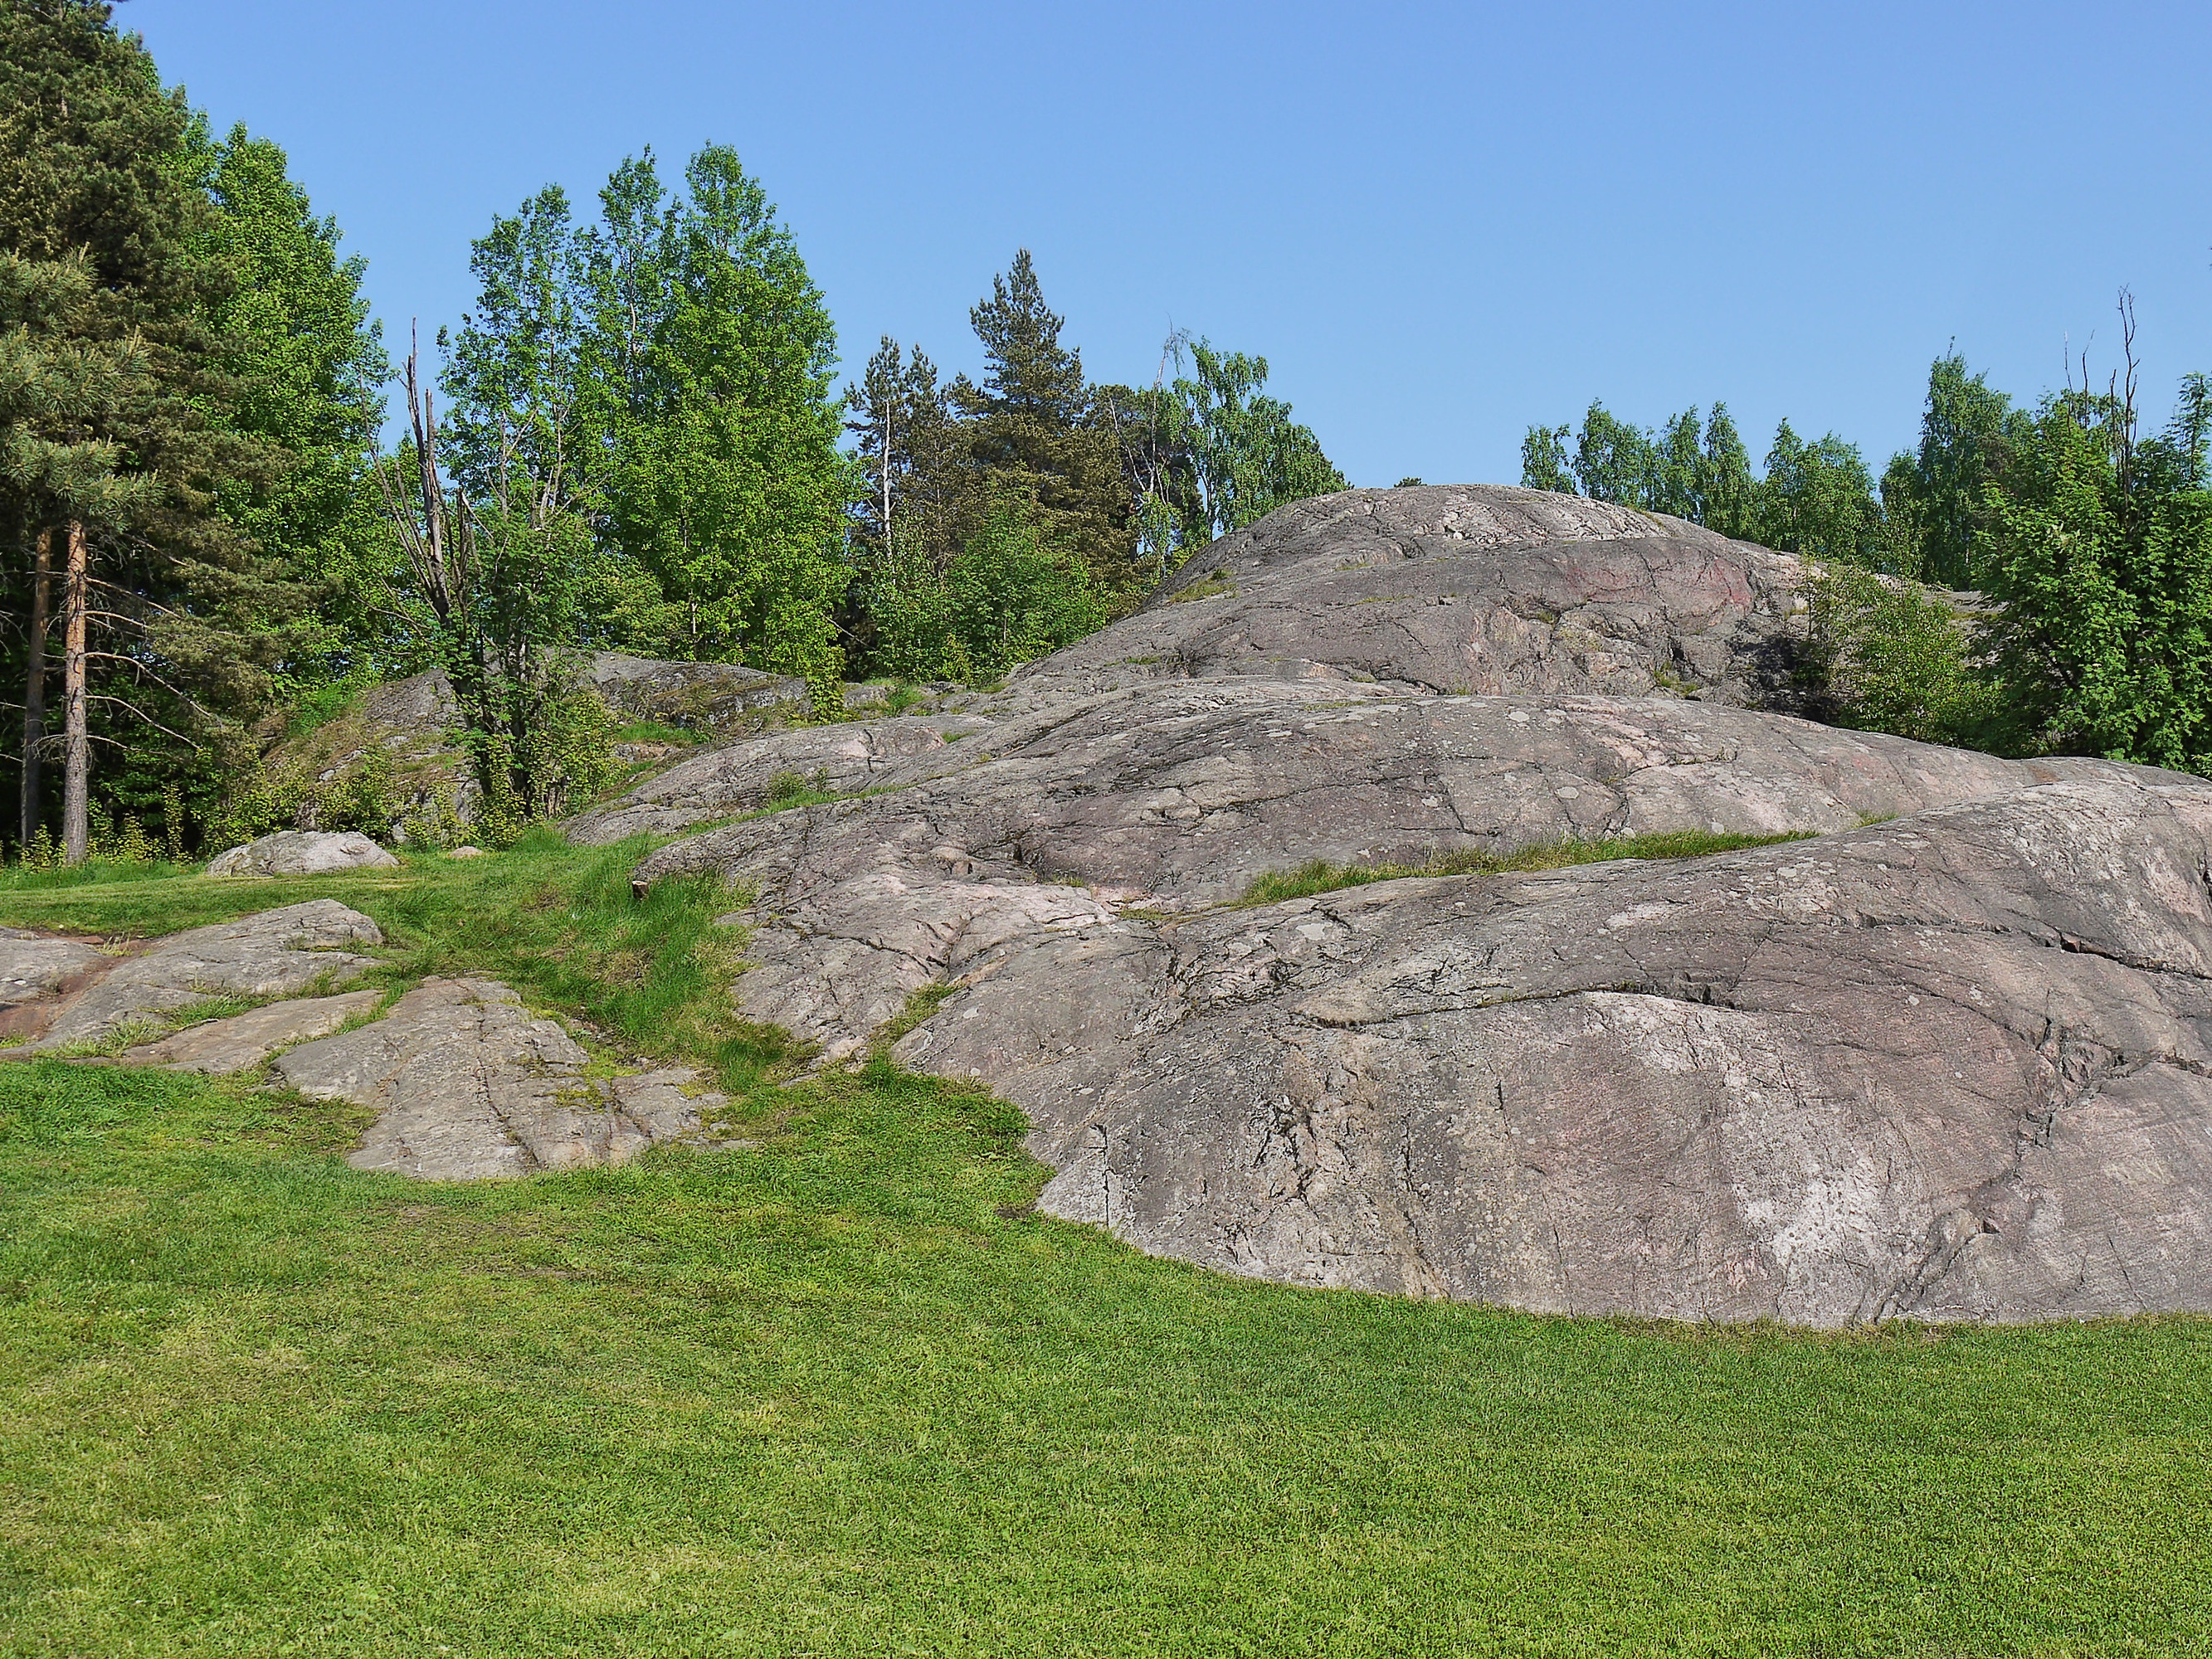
(1949, 1057)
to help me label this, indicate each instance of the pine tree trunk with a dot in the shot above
(34, 689)
(77, 827)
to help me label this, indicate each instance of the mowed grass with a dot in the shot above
(841, 1392)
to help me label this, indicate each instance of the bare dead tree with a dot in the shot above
(76, 752)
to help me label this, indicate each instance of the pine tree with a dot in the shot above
(94, 176)
(1035, 429)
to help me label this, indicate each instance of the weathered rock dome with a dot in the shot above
(1464, 589)
(1948, 1058)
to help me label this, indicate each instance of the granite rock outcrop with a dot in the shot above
(1945, 1060)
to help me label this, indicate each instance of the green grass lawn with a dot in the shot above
(840, 1392)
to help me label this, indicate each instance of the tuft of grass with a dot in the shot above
(1321, 877)
(920, 1003)
(653, 731)
(650, 975)
(1216, 582)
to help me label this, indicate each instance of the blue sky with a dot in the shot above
(1438, 223)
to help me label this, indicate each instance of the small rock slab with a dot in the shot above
(277, 953)
(303, 853)
(244, 1040)
(37, 970)
(468, 1086)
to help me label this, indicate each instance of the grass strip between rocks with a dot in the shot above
(1319, 875)
(841, 1391)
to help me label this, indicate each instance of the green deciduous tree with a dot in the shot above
(1006, 596)
(1817, 499)
(1218, 453)
(499, 584)
(2099, 548)
(1704, 476)
(714, 354)
(310, 366)
(1933, 496)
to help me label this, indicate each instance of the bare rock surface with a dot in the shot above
(1953, 1067)
(1177, 795)
(1464, 588)
(707, 695)
(1946, 1060)
(277, 953)
(303, 853)
(38, 969)
(468, 1084)
(728, 782)
(244, 1040)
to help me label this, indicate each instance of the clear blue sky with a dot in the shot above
(1438, 223)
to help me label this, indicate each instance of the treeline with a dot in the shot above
(637, 443)
(2086, 541)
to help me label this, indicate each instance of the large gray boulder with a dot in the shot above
(277, 953)
(467, 1084)
(303, 853)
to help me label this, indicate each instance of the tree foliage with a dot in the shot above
(1215, 454)
(1117, 485)
(2099, 548)
(125, 419)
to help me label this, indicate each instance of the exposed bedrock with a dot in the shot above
(1951, 1066)
(66, 994)
(1946, 1060)
(1168, 797)
(1464, 588)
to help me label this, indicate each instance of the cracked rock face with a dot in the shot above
(1177, 795)
(1941, 1061)
(468, 1086)
(1953, 1067)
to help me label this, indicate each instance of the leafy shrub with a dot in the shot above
(1889, 655)
(1005, 597)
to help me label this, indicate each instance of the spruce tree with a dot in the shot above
(1034, 429)
(115, 290)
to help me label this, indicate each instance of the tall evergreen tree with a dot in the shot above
(1035, 429)
(95, 168)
